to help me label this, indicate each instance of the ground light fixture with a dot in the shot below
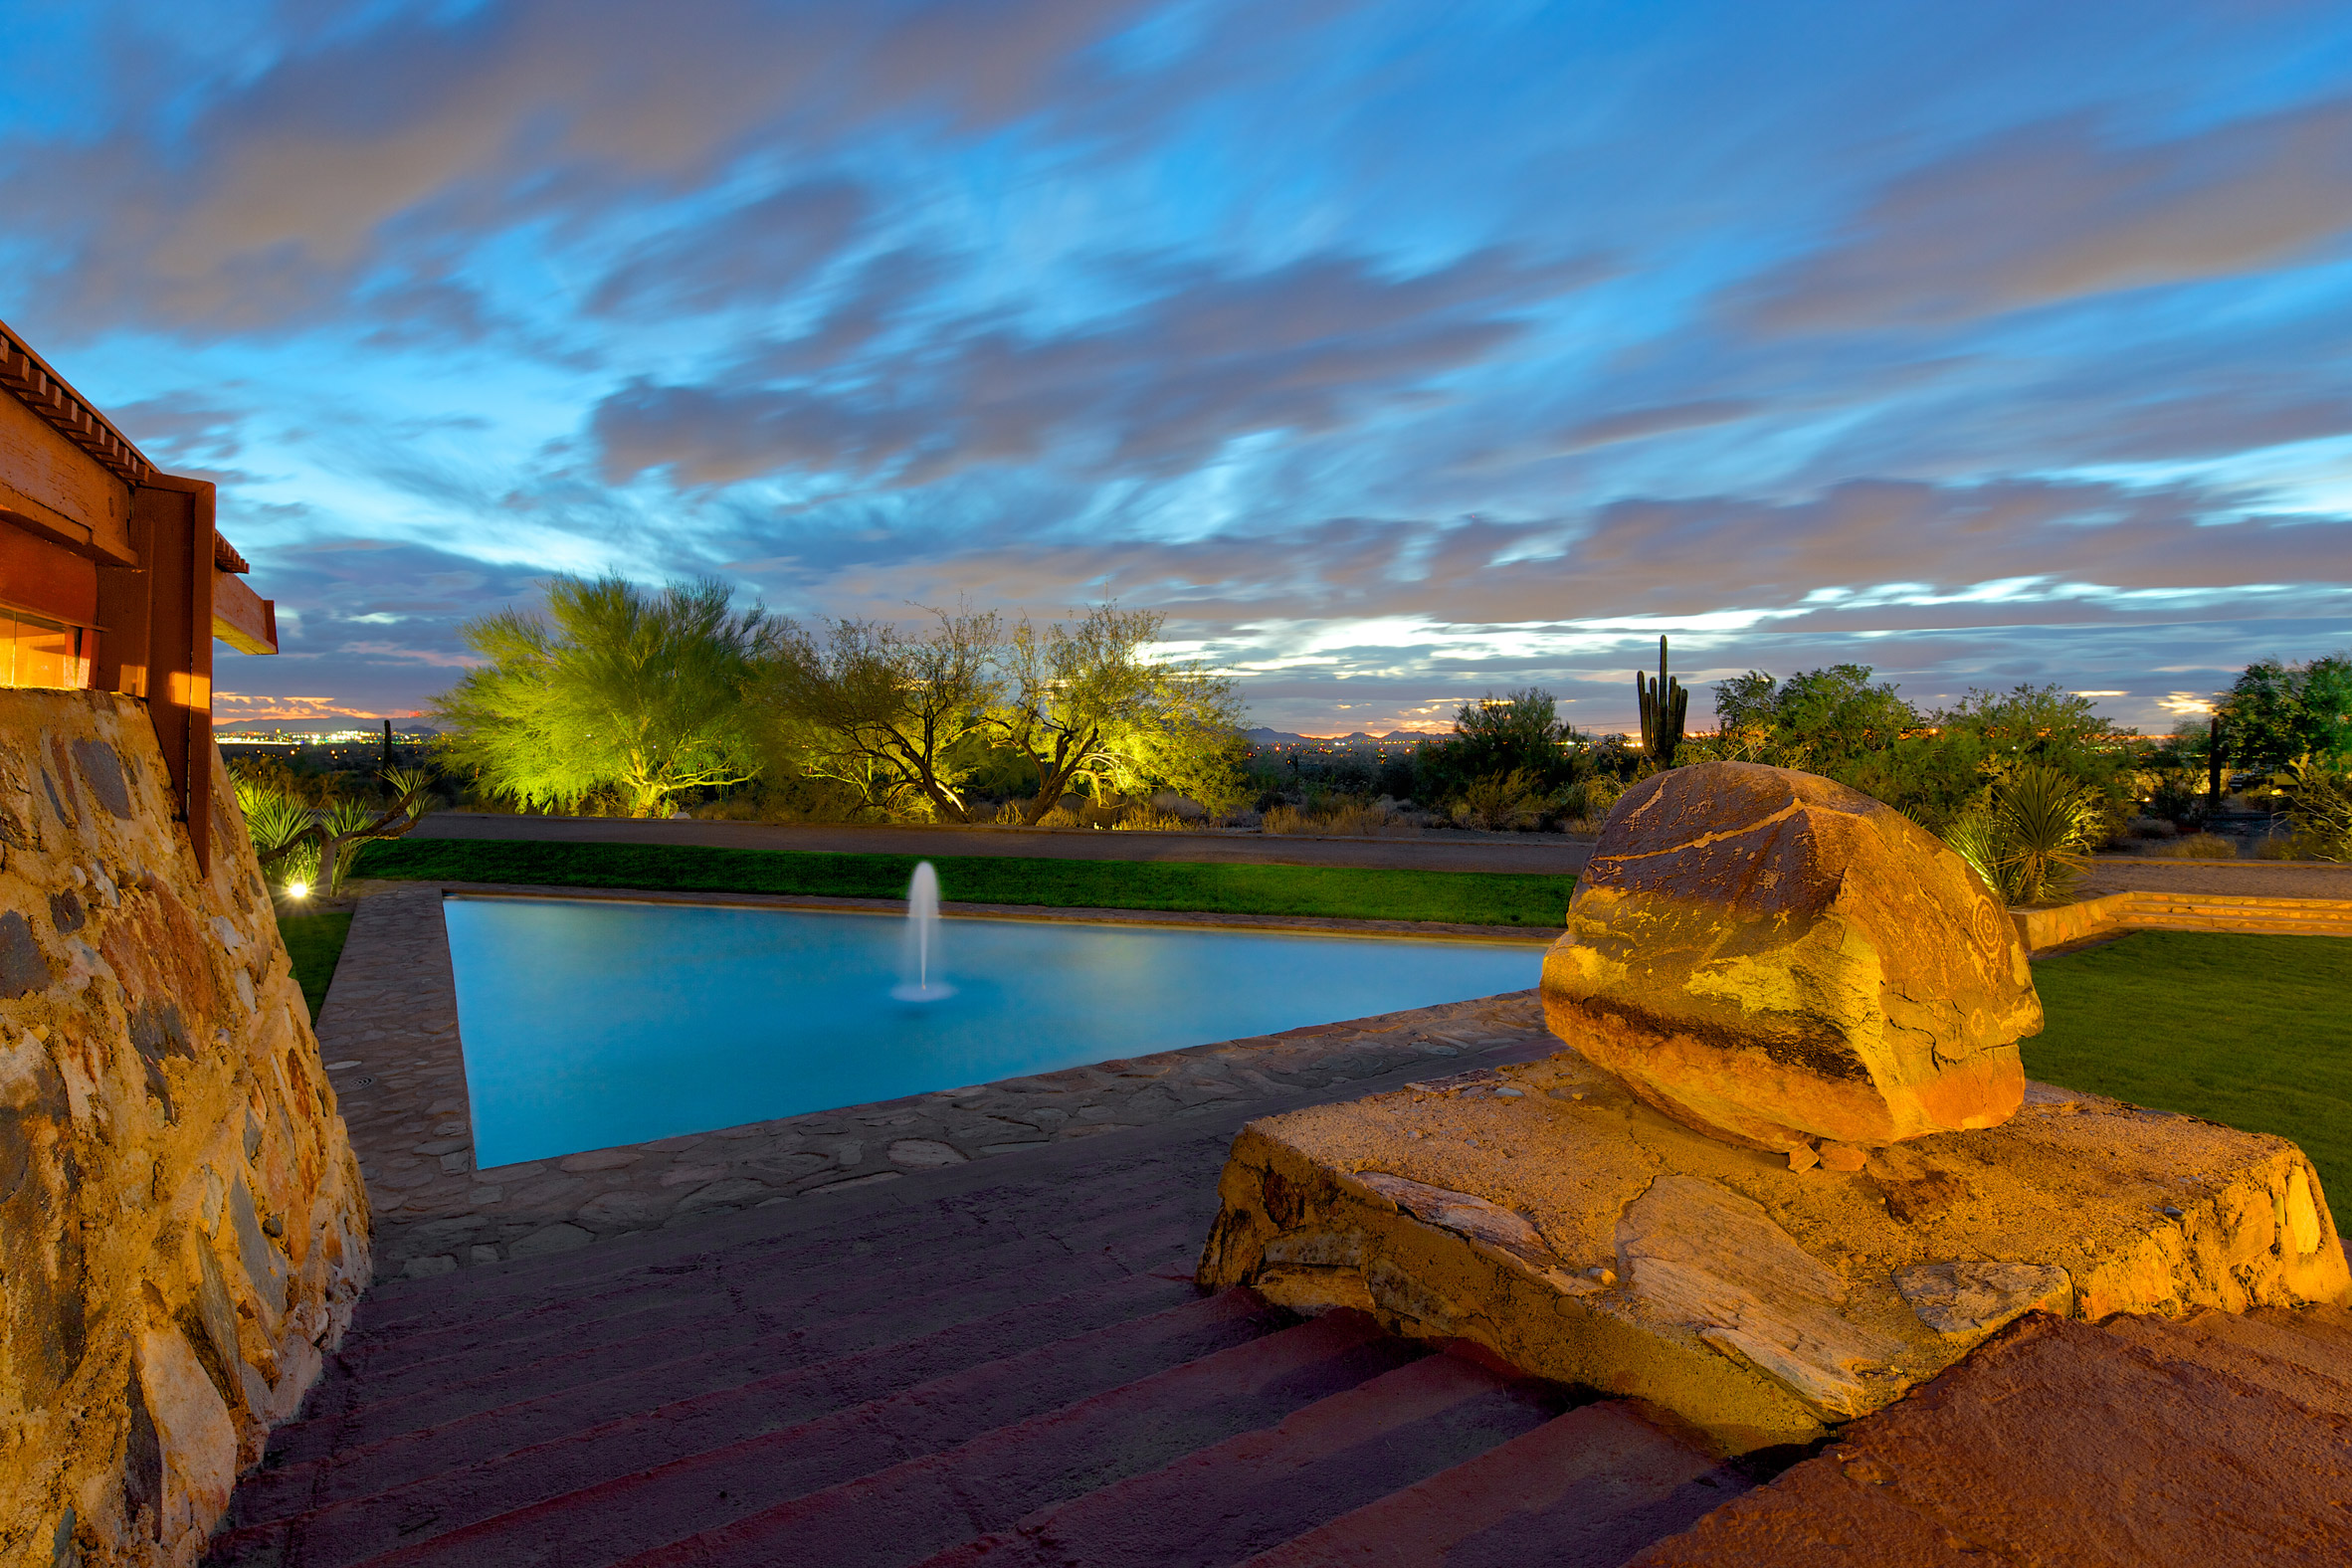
(297, 889)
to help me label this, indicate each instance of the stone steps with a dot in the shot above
(1018, 1369)
(721, 1305)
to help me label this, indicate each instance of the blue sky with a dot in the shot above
(1398, 352)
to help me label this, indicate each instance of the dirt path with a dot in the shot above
(1528, 852)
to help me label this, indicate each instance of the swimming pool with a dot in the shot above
(589, 1023)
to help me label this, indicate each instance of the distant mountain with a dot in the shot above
(1263, 736)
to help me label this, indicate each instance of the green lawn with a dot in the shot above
(1464, 898)
(2252, 1031)
(314, 942)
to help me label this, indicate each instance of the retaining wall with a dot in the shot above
(182, 1225)
(2181, 911)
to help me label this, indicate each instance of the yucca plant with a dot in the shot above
(281, 826)
(2031, 842)
(1978, 839)
(352, 821)
(2049, 819)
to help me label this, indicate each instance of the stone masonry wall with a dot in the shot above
(182, 1225)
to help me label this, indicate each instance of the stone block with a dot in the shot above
(1775, 959)
(1547, 1213)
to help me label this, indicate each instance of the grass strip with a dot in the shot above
(1346, 892)
(2252, 1031)
(315, 945)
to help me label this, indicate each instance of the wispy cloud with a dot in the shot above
(1395, 350)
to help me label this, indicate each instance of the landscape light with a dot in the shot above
(297, 889)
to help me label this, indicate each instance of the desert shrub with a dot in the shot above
(2177, 799)
(1150, 819)
(2196, 847)
(1377, 820)
(2150, 828)
(1337, 817)
(2317, 797)
(1503, 802)
(2283, 847)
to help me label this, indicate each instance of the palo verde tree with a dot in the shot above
(1088, 700)
(895, 714)
(614, 688)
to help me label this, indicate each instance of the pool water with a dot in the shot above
(590, 1023)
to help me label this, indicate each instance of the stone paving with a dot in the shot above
(389, 1036)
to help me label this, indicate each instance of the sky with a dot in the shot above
(1399, 353)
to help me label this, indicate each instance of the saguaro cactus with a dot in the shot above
(1665, 703)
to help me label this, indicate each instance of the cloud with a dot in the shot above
(177, 429)
(266, 198)
(1637, 424)
(759, 251)
(1216, 355)
(1866, 553)
(2058, 211)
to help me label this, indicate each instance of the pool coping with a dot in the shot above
(388, 1034)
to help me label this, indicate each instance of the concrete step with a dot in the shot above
(1586, 1489)
(1231, 1499)
(800, 1375)
(907, 1473)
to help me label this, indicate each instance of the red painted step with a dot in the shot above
(426, 1437)
(889, 1471)
(1586, 1490)
(1230, 1499)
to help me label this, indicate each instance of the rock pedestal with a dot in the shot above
(182, 1225)
(1775, 959)
(1550, 1215)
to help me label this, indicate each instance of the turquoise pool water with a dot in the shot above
(589, 1023)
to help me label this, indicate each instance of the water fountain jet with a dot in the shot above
(922, 940)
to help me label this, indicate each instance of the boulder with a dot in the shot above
(1773, 958)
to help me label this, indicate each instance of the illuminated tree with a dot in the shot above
(614, 688)
(1090, 699)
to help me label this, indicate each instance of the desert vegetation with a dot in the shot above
(307, 828)
(2027, 783)
(620, 699)
(627, 701)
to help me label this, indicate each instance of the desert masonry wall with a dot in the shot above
(183, 1229)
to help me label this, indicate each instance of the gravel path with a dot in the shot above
(1549, 853)
(2253, 879)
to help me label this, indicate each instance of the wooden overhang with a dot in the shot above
(95, 539)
